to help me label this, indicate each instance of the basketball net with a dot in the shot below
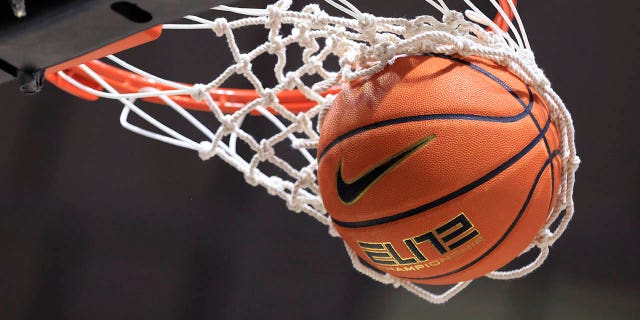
(363, 44)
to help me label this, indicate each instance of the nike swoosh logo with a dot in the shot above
(350, 192)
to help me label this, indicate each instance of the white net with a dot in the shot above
(362, 44)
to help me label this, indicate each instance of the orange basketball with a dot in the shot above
(439, 169)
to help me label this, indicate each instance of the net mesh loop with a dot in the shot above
(362, 44)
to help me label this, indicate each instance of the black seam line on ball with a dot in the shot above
(426, 117)
(483, 71)
(548, 148)
(531, 98)
(504, 85)
(507, 232)
(450, 196)
(535, 122)
(445, 116)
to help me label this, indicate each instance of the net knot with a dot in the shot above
(544, 238)
(300, 28)
(220, 26)
(227, 124)
(312, 9)
(320, 19)
(206, 150)
(367, 21)
(384, 50)
(269, 98)
(273, 18)
(307, 176)
(290, 80)
(199, 91)
(302, 122)
(250, 178)
(243, 63)
(294, 205)
(414, 26)
(265, 151)
(314, 63)
(575, 161)
(570, 162)
(275, 45)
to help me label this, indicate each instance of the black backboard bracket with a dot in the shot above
(46, 33)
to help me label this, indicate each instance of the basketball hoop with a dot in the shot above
(228, 99)
(363, 45)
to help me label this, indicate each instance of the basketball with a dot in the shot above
(439, 168)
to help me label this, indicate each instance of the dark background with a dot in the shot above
(99, 223)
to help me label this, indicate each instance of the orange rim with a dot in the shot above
(228, 99)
